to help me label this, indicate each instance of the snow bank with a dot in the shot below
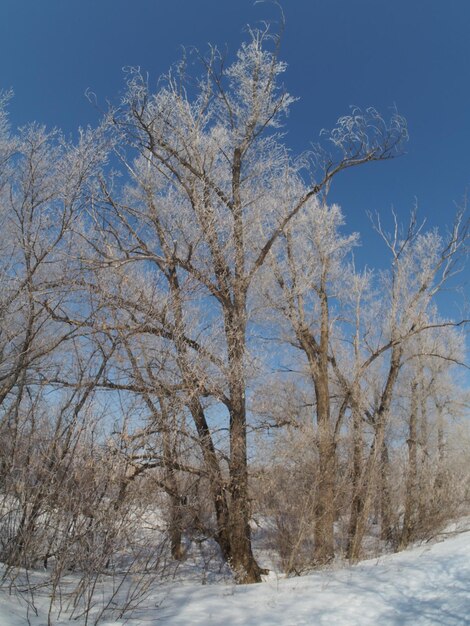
(422, 586)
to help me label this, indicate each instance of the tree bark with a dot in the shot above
(409, 518)
(386, 521)
(369, 475)
(325, 498)
(242, 560)
(357, 503)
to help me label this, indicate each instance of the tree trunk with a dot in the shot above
(412, 476)
(206, 443)
(439, 481)
(369, 475)
(176, 513)
(214, 475)
(368, 480)
(176, 528)
(386, 524)
(357, 503)
(325, 499)
(242, 560)
(424, 486)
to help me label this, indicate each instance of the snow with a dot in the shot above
(429, 584)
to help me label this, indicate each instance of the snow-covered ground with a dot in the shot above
(429, 584)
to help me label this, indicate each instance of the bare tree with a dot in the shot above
(308, 267)
(149, 284)
(422, 262)
(213, 189)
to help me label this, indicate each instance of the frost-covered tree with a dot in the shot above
(212, 188)
(147, 259)
(308, 267)
(421, 263)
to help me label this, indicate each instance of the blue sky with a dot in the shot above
(414, 54)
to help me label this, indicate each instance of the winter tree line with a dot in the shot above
(184, 333)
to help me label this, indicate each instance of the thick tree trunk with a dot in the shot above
(386, 521)
(357, 503)
(325, 497)
(424, 481)
(412, 475)
(242, 560)
(175, 529)
(439, 481)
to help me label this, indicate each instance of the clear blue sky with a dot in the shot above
(412, 53)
